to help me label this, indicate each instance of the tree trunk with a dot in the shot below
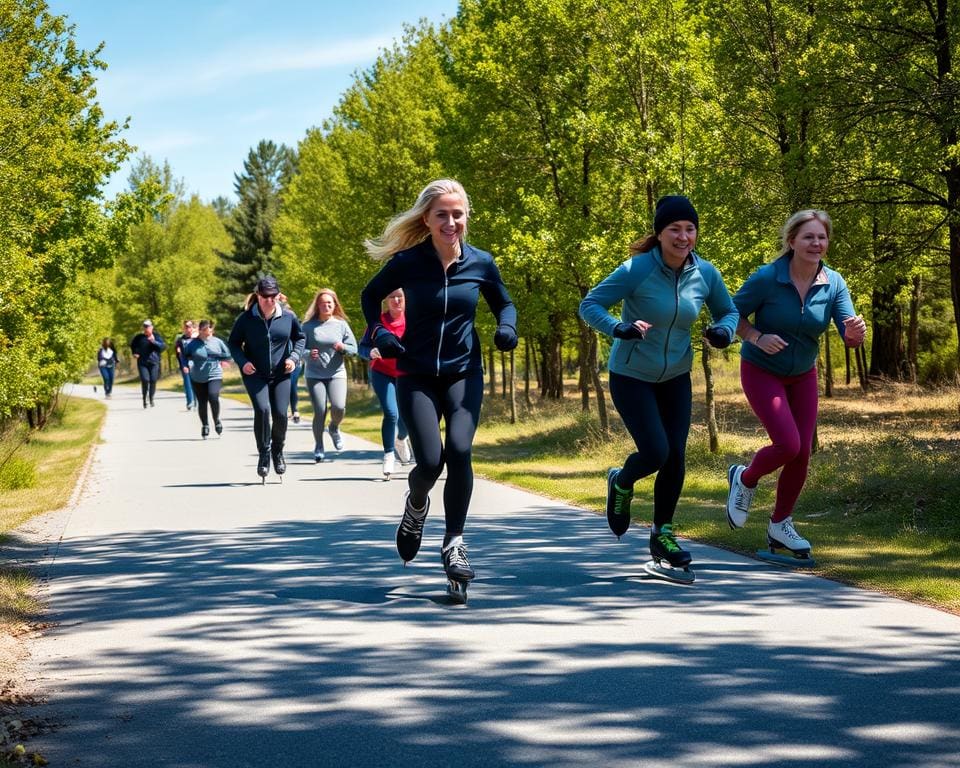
(828, 369)
(592, 366)
(861, 357)
(710, 399)
(513, 391)
(503, 373)
(584, 378)
(551, 383)
(526, 374)
(492, 367)
(846, 357)
(888, 352)
(913, 331)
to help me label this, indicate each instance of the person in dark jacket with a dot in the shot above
(442, 278)
(662, 287)
(267, 343)
(146, 347)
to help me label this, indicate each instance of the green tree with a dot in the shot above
(266, 171)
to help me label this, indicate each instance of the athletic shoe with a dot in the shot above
(204, 431)
(337, 439)
(218, 427)
(388, 463)
(455, 563)
(663, 546)
(784, 535)
(618, 504)
(410, 530)
(296, 417)
(739, 497)
(404, 452)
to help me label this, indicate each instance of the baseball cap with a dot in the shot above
(267, 286)
(147, 322)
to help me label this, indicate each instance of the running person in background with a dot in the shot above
(207, 354)
(442, 278)
(328, 340)
(663, 286)
(791, 302)
(179, 345)
(146, 347)
(383, 379)
(107, 364)
(266, 342)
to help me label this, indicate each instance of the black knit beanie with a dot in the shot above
(674, 208)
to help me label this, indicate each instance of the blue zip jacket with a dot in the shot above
(670, 301)
(266, 343)
(770, 296)
(441, 307)
(206, 355)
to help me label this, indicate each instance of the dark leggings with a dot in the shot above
(149, 373)
(270, 400)
(208, 392)
(423, 401)
(657, 416)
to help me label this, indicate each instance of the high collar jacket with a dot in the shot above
(266, 343)
(671, 301)
(441, 306)
(770, 296)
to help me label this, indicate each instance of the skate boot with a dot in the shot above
(279, 464)
(218, 427)
(389, 462)
(663, 546)
(263, 466)
(204, 431)
(618, 504)
(782, 535)
(404, 454)
(410, 530)
(457, 567)
(337, 438)
(318, 455)
(739, 497)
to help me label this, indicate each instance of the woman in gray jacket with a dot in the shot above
(329, 339)
(206, 354)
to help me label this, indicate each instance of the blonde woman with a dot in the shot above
(329, 340)
(442, 278)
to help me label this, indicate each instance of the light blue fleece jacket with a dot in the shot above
(669, 301)
(773, 301)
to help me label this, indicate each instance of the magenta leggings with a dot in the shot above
(787, 408)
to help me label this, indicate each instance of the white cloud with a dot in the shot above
(206, 75)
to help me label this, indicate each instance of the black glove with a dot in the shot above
(388, 344)
(719, 338)
(627, 331)
(505, 338)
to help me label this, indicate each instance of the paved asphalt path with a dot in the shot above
(202, 620)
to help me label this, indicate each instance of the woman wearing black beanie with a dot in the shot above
(663, 286)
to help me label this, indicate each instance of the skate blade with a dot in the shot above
(669, 573)
(457, 591)
(791, 561)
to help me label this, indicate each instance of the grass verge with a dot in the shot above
(54, 457)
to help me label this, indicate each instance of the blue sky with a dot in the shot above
(203, 81)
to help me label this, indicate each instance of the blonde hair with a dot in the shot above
(796, 221)
(408, 228)
(312, 309)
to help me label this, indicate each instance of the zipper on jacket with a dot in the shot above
(676, 311)
(443, 321)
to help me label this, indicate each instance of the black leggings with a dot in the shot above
(208, 392)
(149, 373)
(423, 401)
(657, 416)
(270, 400)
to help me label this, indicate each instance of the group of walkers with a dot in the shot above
(426, 364)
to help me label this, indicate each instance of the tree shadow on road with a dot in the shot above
(307, 643)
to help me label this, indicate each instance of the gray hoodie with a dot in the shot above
(321, 336)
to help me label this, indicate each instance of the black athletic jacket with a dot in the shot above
(266, 343)
(440, 337)
(149, 351)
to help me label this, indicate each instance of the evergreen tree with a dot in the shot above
(266, 172)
